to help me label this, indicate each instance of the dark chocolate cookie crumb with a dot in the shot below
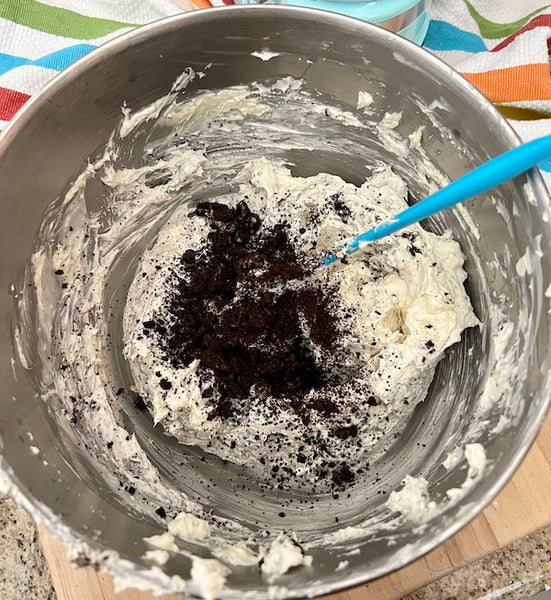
(340, 207)
(346, 432)
(342, 475)
(226, 313)
(139, 402)
(165, 383)
(82, 560)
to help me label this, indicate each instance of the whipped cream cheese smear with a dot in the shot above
(190, 297)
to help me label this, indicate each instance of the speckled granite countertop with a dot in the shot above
(24, 573)
(513, 573)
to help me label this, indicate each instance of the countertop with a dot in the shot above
(24, 572)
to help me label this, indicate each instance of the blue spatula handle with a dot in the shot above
(483, 178)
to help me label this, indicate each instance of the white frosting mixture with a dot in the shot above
(110, 268)
(402, 304)
(413, 499)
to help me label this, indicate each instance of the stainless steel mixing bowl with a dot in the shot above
(48, 145)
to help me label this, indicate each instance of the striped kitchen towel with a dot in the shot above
(501, 47)
(39, 39)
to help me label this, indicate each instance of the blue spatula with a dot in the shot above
(483, 178)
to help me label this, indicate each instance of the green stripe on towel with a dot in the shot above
(493, 31)
(58, 21)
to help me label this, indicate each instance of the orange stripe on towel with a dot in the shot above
(514, 84)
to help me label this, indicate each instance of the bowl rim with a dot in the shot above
(144, 578)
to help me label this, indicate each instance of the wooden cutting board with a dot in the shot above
(523, 507)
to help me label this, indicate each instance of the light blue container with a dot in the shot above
(409, 18)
